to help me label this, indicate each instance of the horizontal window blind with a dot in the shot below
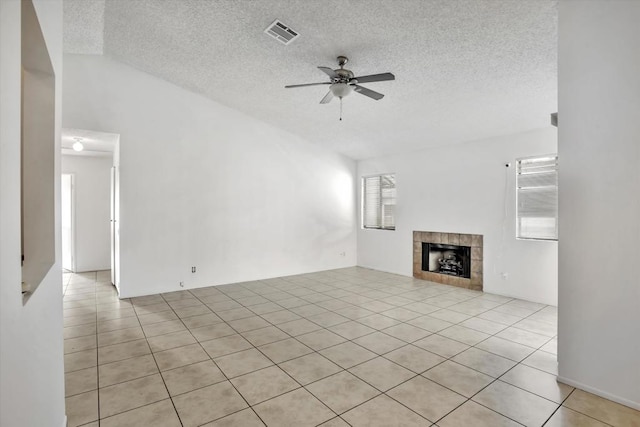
(378, 207)
(372, 202)
(537, 198)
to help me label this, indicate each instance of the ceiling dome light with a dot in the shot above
(341, 89)
(77, 146)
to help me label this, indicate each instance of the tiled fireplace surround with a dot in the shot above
(471, 240)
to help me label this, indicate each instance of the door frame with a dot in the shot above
(115, 217)
(72, 220)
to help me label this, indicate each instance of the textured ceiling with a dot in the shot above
(465, 69)
(83, 26)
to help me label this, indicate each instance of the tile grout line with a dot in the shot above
(326, 328)
(97, 361)
(155, 361)
(578, 412)
(213, 361)
(450, 358)
(378, 355)
(274, 364)
(342, 369)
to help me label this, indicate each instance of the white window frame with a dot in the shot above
(551, 186)
(383, 215)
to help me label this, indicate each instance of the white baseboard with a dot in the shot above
(65, 423)
(592, 390)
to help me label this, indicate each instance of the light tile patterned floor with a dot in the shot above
(336, 348)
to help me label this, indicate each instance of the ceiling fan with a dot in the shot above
(342, 82)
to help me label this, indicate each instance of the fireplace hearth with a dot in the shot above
(448, 258)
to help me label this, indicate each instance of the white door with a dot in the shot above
(115, 228)
(67, 216)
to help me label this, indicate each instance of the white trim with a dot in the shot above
(604, 394)
(72, 220)
(65, 422)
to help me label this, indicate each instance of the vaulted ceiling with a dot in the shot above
(465, 69)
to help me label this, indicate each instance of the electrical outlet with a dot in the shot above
(182, 284)
(343, 254)
(504, 276)
(193, 269)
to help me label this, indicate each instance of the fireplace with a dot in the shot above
(449, 258)
(453, 260)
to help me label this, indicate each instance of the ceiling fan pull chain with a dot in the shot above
(340, 108)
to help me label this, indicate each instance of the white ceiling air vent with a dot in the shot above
(281, 32)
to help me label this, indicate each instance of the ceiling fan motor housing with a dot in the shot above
(344, 75)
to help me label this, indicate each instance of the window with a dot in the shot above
(379, 201)
(537, 198)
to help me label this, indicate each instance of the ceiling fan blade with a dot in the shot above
(329, 72)
(375, 78)
(327, 98)
(368, 92)
(307, 84)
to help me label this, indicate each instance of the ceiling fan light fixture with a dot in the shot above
(341, 89)
(78, 146)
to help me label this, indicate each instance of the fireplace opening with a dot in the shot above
(446, 259)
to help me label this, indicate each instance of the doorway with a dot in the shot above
(90, 205)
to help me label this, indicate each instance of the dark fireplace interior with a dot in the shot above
(446, 259)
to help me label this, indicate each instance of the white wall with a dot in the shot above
(599, 141)
(92, 181)
(466, 188)
(203, 185)
(31, 350)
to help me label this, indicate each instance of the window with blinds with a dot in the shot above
(537, 198)
(379, 201)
